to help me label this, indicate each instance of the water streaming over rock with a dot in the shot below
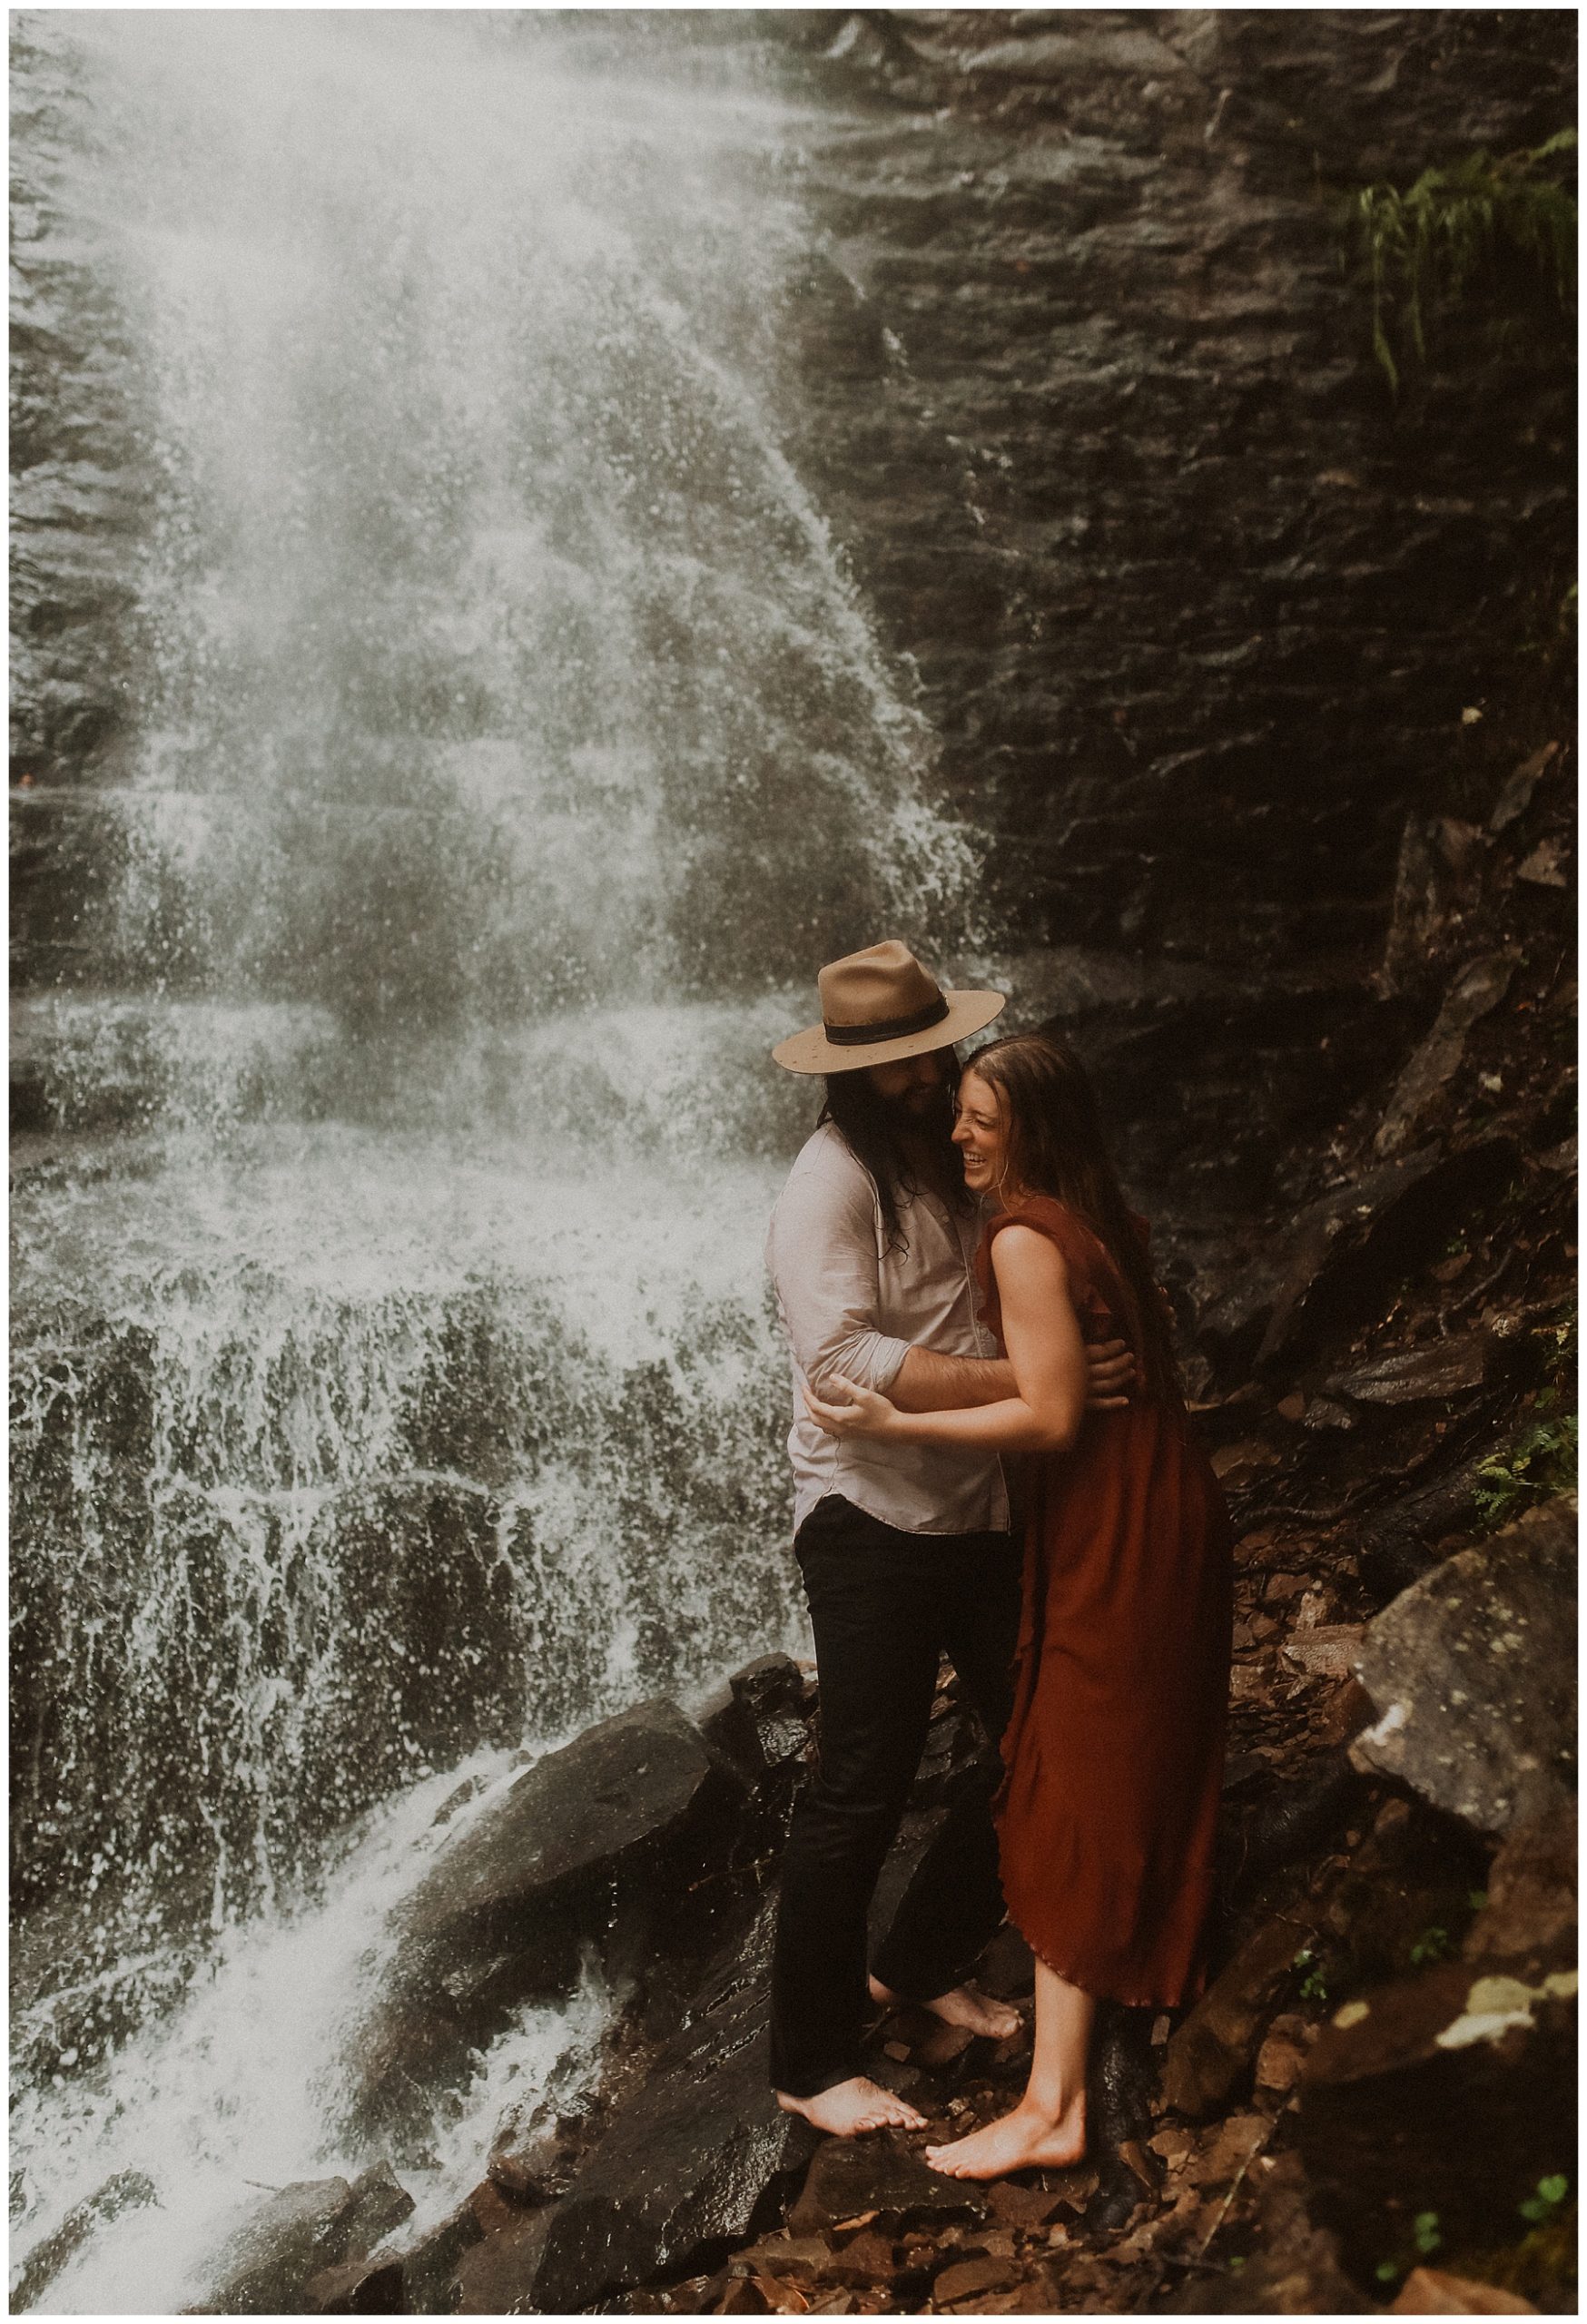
(498, 744)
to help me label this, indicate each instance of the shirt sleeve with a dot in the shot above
(821, 1254)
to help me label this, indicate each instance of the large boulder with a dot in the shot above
(622, 1845)
(603, 1811)
(884, 2180)
(1471, 1671)
(302, 2231)
(699, 2159)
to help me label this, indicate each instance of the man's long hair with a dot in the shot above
(874, 1128)
(1057, 1147)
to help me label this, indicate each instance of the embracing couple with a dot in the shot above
(962, 1285)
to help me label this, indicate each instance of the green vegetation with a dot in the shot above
(1541, 1461)
(1497, 225)
(1552, 2196)
(1314, 1986)
(1432, 1944)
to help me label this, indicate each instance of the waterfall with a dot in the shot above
(498, 744)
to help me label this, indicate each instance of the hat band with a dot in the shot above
(886, 1029)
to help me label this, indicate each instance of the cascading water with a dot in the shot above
(395, 1386)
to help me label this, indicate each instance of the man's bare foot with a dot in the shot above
(849, 2108)
(964, 2006)
(1025, 2140)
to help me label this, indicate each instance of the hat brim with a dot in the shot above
(812, 1052)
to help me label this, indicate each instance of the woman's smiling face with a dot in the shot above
(980, 1133)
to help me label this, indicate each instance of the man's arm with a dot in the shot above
(822, 1253)
(925, 1382)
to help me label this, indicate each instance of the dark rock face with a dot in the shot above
(80, 475)
(1130, 443)
(1472, 1673)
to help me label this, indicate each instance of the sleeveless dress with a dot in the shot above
(1113, 1757)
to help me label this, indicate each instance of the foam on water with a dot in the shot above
(232, 2092)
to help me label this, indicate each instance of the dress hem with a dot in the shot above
(1193, 1989)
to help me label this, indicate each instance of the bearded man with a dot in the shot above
(906, 1551)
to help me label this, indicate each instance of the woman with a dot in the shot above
(1113, 1757)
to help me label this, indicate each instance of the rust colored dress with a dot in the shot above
(1113, 1757)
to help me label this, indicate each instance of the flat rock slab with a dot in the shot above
(1435, 1374)
(1471, 1673)
(881, 2179)
(1431, 2291)
(1474, 994)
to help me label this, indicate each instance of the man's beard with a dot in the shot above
(922, 1113)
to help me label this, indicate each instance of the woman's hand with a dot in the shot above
(866, 1413)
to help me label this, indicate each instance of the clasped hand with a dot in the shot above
(1111, 1374)
(867, 1413)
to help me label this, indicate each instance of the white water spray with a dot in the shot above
(395, 1376)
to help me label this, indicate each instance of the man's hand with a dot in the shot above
(1111, 1374)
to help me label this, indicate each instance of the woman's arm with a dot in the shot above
(1042, 1335)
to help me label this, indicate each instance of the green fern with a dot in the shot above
(1427, 249)
(1541, 1462)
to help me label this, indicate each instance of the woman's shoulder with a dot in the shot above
(1044, 1214)
(1091, 1270)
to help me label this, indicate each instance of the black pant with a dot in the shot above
(883, 1605)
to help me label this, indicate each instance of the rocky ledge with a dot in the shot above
(1369, 2106)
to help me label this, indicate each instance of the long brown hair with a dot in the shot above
(875, 1132)
(1056, 1146)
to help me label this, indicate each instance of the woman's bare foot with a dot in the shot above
(964, 2006)
(1026, 2139)
(849, 2108)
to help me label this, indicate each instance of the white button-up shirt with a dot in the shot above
(851, 1304)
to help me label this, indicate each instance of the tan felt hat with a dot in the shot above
(879, 1005)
